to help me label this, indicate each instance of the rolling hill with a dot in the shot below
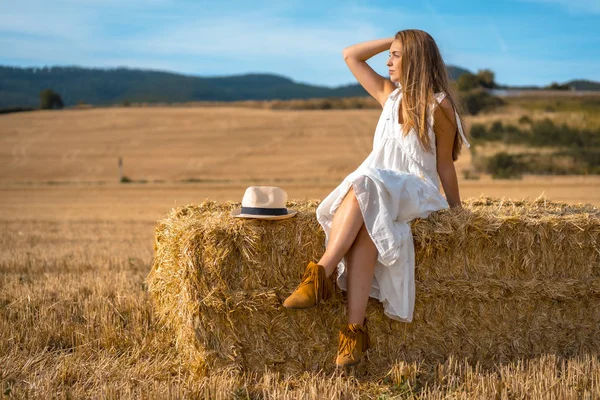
(21, 86)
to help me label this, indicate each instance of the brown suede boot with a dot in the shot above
(313, 288)
(354, 341)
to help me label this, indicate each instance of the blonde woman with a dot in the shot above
(366, 218)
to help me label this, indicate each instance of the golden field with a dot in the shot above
(75, 317)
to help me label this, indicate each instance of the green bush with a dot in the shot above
(525, 119)
(497, 132)
(479, 100)
(483, 79)
(50, 100)
(497, 129)
(542, 133)
(563, 162)
(505, 166)
(558, 86)
(486, 78)
(587, 160)
(467, 82)
(478, 131)
(326, 104)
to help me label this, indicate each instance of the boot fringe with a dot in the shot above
(323, 285)
(349, 336)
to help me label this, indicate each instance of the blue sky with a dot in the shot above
(522, 41)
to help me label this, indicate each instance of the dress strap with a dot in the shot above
(460, 129)
(458, 123)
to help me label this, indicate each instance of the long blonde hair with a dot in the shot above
(423, 74)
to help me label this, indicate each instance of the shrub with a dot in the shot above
(505, 166)
(496, 128)
(480, 100)
(525, 119)
(483, 79)
(478, 131)
(564, 162)
(558, 86)
(467, 82)
(50, 100)
(587, 160)
(542, 133)
(486, 78)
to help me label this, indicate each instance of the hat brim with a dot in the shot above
(238, 214)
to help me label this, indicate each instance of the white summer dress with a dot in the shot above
(396, 183)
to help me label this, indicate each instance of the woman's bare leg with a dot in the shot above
(360, 262)
(347, 221)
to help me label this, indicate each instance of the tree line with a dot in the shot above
(124, 86)
(49, 100)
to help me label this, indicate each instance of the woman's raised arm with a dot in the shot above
(355, 57)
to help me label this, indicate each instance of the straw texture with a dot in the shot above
(497, 281)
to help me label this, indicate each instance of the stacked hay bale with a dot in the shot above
(496, 281)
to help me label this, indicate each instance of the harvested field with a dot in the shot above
(76, 318)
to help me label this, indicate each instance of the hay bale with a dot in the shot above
(497, 281)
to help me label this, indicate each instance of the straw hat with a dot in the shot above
(264, 202)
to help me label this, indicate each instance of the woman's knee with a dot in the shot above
(360, 252)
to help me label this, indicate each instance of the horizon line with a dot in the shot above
(252, 73)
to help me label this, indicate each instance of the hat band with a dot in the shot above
(264, 211)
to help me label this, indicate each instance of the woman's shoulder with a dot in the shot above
(393, 90)
(442, 100)
(389, 92)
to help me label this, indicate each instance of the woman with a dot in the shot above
(366, 218)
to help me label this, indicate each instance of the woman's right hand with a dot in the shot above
(355, 57)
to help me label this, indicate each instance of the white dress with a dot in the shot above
(396, 183)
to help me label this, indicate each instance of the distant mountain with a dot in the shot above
(581, 84)
(21, 86)
(455, 72)
(576, 84)
(97, 86)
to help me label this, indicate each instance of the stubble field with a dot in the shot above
(76, 246)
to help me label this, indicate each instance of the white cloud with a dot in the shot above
(183, 40)
(203, 38)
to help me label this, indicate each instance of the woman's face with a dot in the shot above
(393, 63)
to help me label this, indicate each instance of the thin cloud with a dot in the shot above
(254, 36)
(499, 37)
(266, 36)
(236, 42)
